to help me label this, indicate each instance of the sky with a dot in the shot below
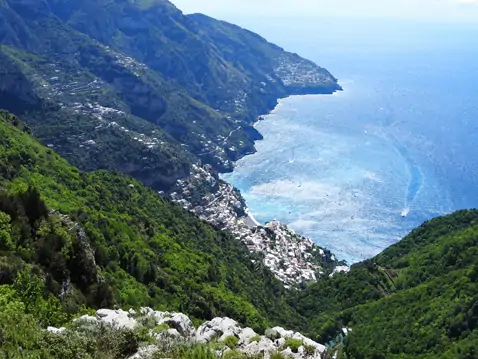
(435, 10)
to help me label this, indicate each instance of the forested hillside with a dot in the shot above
(100, 239)
(418, 299)
(76, 240)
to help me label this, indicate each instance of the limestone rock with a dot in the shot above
(217, 328)
(182, 324)
(272, 334)
(181, 330)
(264, 346)
(284, 333)
(246, 335)
(118, 318)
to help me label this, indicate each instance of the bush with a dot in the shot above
(293, 344)
(231, 341)
(309, 349)
(277, 355)
(160, 328)
(147, 321)
(256, 338)
(199, 352)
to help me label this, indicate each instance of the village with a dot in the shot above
(292, 258)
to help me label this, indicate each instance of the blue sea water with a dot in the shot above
(401, 139)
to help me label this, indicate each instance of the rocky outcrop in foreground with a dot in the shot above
(223, 336)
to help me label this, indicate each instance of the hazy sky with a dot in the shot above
(416, 9)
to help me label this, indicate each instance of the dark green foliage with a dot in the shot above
(417, 299)
(293, 344)
(231, 341)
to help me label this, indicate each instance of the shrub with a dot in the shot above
(147, 321)
(293, 344)
(256, 338)
(215, 345)
(199, 352)
(160, 328)
(277, 355)
(309, 349)
(231, 341)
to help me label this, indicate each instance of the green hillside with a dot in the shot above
(418, 299)
(101, 239)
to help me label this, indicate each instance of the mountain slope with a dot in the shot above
(150, 61)
(102, 239)
(419, 298)
(141, 89)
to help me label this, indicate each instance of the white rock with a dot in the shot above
(182, 324)
(119, 318)
(218, 327)
(160, 317)
(173, 333)
(288, 353)
(284, 333)
(265, 345)
(246, 335)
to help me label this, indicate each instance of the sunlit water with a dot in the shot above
(357, 170)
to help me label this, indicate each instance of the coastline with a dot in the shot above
(250, 220)
(291, 257)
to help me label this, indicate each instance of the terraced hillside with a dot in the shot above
(150, 69)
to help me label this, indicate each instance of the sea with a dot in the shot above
(358, 170)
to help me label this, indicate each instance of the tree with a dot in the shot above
(6, 242)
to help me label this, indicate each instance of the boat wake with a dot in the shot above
(415, 176)
(415, 181)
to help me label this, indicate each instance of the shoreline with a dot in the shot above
(250, 220)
